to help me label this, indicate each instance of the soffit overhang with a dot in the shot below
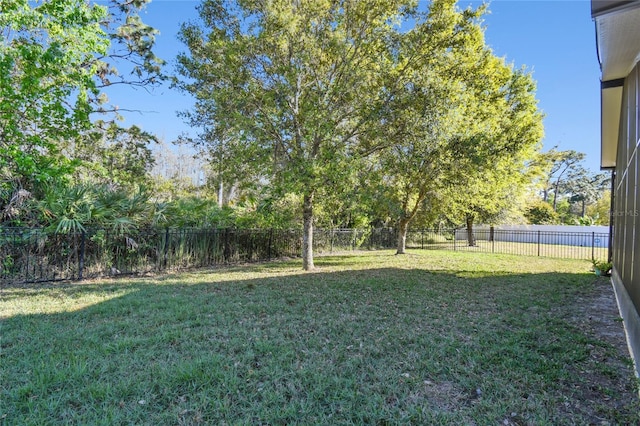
(618, 45)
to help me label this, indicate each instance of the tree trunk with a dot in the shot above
(221, 194)
(307, 233)
(555, 195)
(403, 226)
(470, 238)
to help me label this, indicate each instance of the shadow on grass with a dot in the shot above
(365, 346)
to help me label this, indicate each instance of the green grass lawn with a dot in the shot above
(431, 337)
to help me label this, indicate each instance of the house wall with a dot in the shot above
(626, 212)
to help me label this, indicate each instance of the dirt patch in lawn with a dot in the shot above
(596, 313)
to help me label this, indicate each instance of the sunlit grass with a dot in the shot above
(371, 338)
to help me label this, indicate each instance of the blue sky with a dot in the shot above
(553, 39)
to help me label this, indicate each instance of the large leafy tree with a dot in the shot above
(560, 166)
(57, 58)
(583, 187)
(493, 182)
(114, 155)
(463, 111)
(292, 88)
(600, 211)
(568, 186)
(489, 194)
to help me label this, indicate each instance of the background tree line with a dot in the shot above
(331, 113)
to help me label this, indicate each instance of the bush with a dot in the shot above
(541, 213)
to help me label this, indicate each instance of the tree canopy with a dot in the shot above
(461, 129)
(297, 84)
(297, 94)
(57, 59)
(570, 189)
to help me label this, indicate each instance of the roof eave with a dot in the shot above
(618, 48)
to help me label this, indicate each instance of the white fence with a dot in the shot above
(579, 236)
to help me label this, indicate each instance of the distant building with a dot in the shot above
(618, 47)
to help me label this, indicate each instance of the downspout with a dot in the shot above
(611, 215)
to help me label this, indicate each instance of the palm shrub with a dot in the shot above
(66, 209)
(73, 209)
(119, 212)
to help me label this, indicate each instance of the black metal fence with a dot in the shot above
(567, 245)
(34, 255)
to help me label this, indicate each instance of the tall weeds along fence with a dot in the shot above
(35, 255)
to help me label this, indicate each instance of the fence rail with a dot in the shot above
(34, 255)
(569, 245)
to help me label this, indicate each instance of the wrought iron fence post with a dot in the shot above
(455, 232)
(165, 256)
(422, 239)
(331, 240)
(26, 271)
(538, 243)
(81, 259)
(226, 253)
(270, 243)
(493, 239)
(593, 246)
